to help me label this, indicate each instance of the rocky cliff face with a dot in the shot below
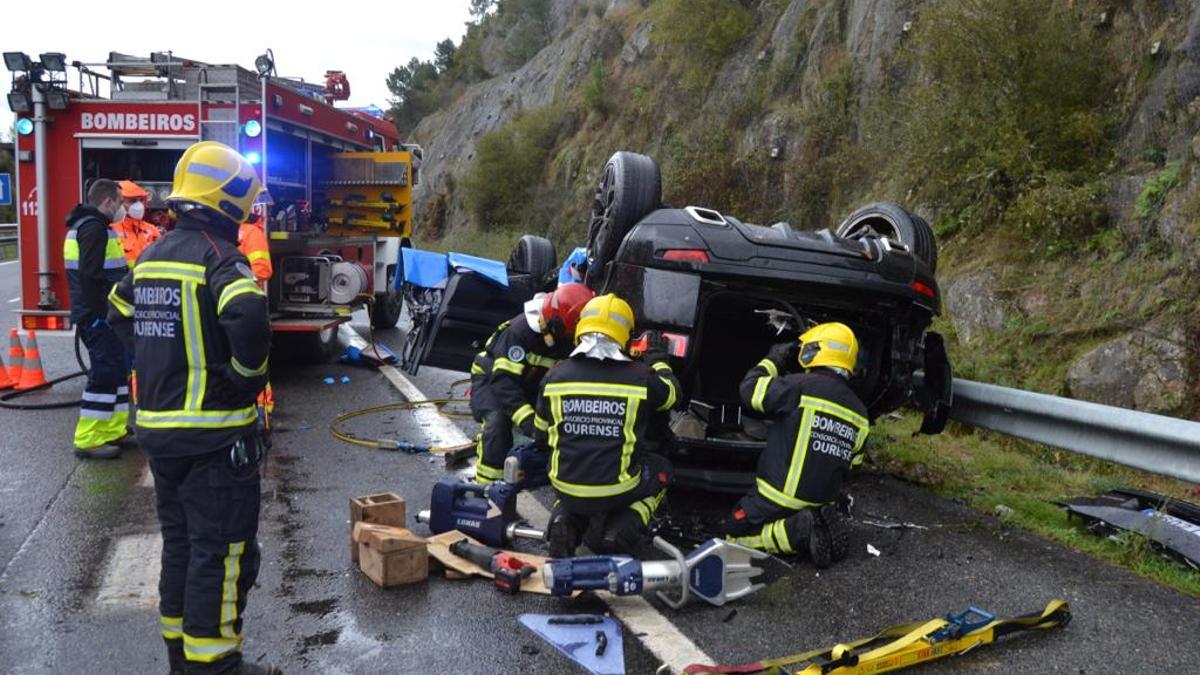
(1117, 318)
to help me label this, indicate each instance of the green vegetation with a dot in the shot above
(988, 470)
(699, 35)
(510, 164)
(1152, 196)
(1012, 121)
(593, 94)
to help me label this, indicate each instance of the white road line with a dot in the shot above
(642, 619)
(128, 582)
(10, 262)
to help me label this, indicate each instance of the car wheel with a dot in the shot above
(534, 256)
(630, 188)
(894, 222)
(389, 304)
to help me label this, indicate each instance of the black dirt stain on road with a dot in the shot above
(317, 607)
(320, 640)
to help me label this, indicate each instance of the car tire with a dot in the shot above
(534, 256)
(388, 304)
(894, 222)
(629, 189)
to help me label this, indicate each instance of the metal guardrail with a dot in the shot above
(1154, 443)
(9, 245)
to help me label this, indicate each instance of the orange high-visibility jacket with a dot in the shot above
(252, 242)
(135, 236)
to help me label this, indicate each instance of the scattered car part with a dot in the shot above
(1172, 525)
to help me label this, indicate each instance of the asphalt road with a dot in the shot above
(78, 566)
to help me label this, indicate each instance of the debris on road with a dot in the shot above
(873, 551)
(590, 640)
(1172, 525)
(892, 525)
(904, 645)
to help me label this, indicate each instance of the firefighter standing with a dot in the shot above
(198, 324)
(506, 374)
(135, 232)
(816, 436)
(94, 261)
(595, 415)
(252, 243)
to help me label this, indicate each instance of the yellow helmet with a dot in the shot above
(829, 344)
(214, 175)
(607, 315)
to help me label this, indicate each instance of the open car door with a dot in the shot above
(453, 317)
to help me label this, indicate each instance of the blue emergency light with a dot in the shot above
(252, 128)
(252, 157)
(24, 126)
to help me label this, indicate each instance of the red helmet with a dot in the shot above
(560, 309)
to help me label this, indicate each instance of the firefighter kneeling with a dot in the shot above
(816, 435)
(596, 414)
(197, 322)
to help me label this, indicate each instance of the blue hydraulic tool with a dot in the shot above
(487, 513)
(717, 571)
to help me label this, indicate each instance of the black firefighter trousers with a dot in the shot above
(208, 509)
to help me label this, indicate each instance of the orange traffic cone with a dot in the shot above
(6, 382)
(31, 372)
(16, 356)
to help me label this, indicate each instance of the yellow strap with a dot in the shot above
(507, 365)
(521, 413)
(253, 256)
(158, 269)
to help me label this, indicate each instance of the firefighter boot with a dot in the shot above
(176, 661)
(562, 533)
(804, 534)
(838, 527)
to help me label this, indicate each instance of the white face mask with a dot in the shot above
(119, 214)
(137, 210)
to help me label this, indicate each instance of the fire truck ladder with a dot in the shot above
(219, 122)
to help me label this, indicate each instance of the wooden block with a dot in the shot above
(364, 531)
(439, 548)
(404, 561)
(386, 508)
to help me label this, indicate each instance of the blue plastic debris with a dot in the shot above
(591, 640)
(345, 379)
(328, 380)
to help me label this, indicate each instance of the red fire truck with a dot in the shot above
(339, 182)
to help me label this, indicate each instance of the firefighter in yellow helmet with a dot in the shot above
(197, 323)
(818, 426)
(596, 414)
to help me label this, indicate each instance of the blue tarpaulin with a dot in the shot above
(430, 270)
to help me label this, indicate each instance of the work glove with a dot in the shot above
(785, 354)
(657, 347)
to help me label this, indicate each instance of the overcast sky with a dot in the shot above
(366, 38)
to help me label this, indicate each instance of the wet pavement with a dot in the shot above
(78, 566)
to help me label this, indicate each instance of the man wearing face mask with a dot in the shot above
(95, 261)
(135, 232)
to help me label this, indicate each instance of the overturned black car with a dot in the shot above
(727, 291)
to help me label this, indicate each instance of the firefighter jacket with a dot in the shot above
(596, 418)
(506, 374)
(197, 323)
(135, 236)
(818, 429)
(252, 242)
(94, 260)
